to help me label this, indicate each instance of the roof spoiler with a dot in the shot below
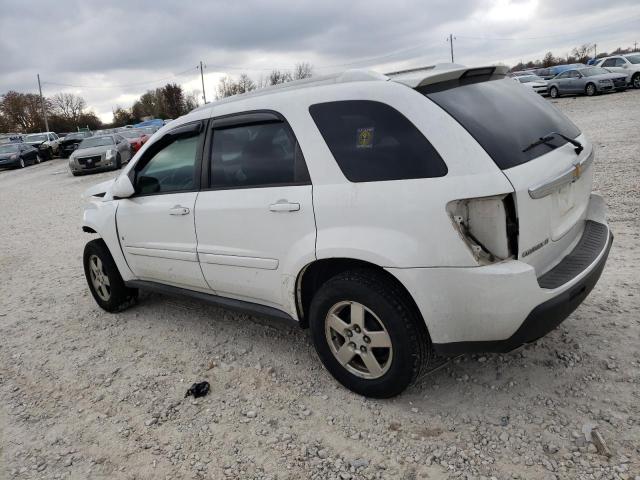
(419, 77)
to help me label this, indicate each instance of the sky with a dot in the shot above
(112, 52)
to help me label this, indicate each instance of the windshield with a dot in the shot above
(633, 58)
(503, 117)
(96, 142)
(530, 78)
(73, 136)
(590, 72)
(11, 148)
(36, 138)
(131, 133)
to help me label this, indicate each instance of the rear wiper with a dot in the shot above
(547, 138)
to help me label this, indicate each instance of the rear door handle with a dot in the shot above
(179, 210)
(284, 206)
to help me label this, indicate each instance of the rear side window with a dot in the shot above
(256, 155)
(373, 142)
(504, 118)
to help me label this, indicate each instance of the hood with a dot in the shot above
(99, 189)
(537, 84)
(67, 141)
(86, 152)
(33, 144)
(4, 156)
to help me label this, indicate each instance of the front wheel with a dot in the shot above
(38, 159)
(118, 164)
(591, 90)
(635, 80)
(367, 334)
(21, 163)
(553, 92)
(106, 284)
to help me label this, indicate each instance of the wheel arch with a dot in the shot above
(316, 273)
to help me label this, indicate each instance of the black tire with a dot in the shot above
(118, 164)
(554, 93)
(21, 163)
(50, 153)
(635, 80)
(119, 296)
(38, 159)
(411, 346)
(590, 90)
(75, 174)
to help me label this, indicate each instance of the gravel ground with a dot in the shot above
(86, 394)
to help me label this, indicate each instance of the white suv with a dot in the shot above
(628, 64)
(402, 217)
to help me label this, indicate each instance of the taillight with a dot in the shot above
(488, 225)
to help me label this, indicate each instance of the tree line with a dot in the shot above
(580, 54)
(228, 86)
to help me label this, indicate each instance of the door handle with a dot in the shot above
(179, 210)
(284, 206)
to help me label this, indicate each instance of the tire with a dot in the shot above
(118, 164)
(635, 80)
(388, 314)
(590, 90)
(75, 174)
(21, 163)
(38, 159)
(50, 153)
(553, 92)
(104, 280)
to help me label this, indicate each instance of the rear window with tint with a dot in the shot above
(372, 142)
(504, 117)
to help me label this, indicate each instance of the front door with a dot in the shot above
(255, 220)
(156, 225)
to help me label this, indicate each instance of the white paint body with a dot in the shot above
(231, 244)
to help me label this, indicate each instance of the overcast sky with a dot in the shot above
(112, 52)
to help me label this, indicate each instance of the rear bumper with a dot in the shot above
(542, 319)
(498, 307)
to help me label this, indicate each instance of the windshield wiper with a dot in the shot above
(547, 138)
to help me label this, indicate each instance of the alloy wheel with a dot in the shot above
(358, 340)
(22, 165)
(99, 278)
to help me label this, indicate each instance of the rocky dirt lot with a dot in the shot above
(87, 394)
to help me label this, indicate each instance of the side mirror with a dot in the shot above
(122, 187)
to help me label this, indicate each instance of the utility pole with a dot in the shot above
(595, 50)
(44, 112)
(450, 40)
(635, 46)
(204, 95)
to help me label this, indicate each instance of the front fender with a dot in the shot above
(100, 216)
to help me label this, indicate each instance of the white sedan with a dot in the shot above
(536, 83)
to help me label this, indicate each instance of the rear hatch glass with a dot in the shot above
(504, 117)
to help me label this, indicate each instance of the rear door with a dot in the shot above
(255, 220)
(156, 225)
(552, 181)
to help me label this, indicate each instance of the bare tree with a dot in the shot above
(302, 70)
(226, 87)
(276, 77)
(245, 84)
(68, 105)
(581, 53)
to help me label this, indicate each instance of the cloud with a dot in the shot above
(115, 51)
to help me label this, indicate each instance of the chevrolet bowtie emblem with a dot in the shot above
(577, 171)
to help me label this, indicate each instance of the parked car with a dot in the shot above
(71, 141)
(18, 155)
(588, 80)
(544, 73)
(628, 65)
(534, 82)
(99, 153)
(11, 138)
(136, 137)
(436, 211)
(47, 143)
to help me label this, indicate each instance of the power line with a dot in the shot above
(124, 85)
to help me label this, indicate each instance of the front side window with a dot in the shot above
(170, 169)
(373, 142)
(255, 156)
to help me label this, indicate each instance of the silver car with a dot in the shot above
(587, 80)
(99, 153)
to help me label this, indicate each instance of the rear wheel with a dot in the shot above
(21, 163)
(38, 159)
(590, 90)
(106, 284)
(118, 164)
(553, 92)
(367, 333)
(635, 80)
